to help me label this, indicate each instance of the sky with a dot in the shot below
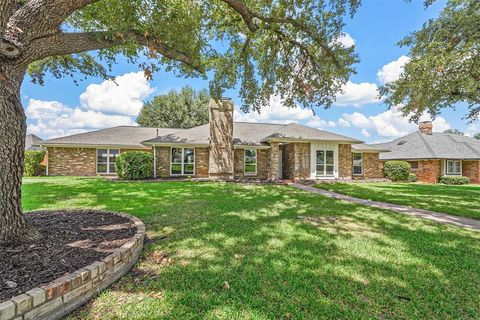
(61, 107)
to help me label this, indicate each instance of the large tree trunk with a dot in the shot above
(12, 144)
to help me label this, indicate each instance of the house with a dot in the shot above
(433, 154)
(32, 141)
(220, 149)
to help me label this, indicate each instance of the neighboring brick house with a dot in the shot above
(222, 149)
(433, 154)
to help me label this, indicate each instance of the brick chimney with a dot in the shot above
(426, 127)
(221, 139)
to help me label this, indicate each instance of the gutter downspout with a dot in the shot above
(154, 162)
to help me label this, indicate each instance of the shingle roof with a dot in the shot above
(123, 136)
(31, 142)
(436, 146)
(252, 134)
(363, 147)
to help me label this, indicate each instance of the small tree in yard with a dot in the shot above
(284, 48)
(185, 109)
(134, 165)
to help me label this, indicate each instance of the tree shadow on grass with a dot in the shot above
(369, 263)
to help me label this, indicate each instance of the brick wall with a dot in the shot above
(345, 161)
(296, 161)
(372, 167)
(201, 162)
(163, 161)
(262, 164)
(429, 171)
(72, 161)
(471, 169)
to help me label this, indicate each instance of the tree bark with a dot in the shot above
(13, 227)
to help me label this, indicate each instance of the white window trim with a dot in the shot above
(324, 175)
(245, 163)
(353, 164)
(183, 163)
(108, 160)
(453, 174)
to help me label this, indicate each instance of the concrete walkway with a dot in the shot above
(421, 213)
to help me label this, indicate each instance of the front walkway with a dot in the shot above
(426, 214)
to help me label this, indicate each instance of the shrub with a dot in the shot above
(32, 162)
(454, 180)
(397, 170)
(134, 165)
(412, 177)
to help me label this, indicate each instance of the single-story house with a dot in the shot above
(433, 154)
(238, 150)
(32, 141)
(220, 149)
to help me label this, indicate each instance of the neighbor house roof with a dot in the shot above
(123, 136)
(31, 142)
(252, 134)
(435, 146)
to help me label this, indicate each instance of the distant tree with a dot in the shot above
(454, 131)
(477, 136)
(444, 67)
(185, 109)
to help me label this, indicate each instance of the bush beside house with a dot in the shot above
(33, 163)
(397, 170)
(457, 180)
(134, 165)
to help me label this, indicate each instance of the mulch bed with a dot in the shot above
(71, 241)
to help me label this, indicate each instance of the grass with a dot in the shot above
(369, 264)
(456, 200)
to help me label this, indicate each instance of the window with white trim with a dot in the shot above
(454, 167)
(106, 160)
(250, 160)
(183, 161)
(358, 163)
(325, 163)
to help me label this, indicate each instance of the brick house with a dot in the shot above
(220, 149)
(433, 154)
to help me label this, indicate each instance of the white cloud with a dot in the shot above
(390, 124)
(124, 96)
(472, 129)
(53, 119)
(357, 94)
(346, 40)
(276, 112)
(392, 71)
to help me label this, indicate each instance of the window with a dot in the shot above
(183, 161)
(414, 165)
(357, 163)
(106, 160)
(325, 162)
(250, 162)
(454, 167)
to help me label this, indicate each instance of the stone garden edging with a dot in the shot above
(67, 293)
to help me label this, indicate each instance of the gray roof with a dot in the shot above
(123, 136)
(31, 142)
(436, 146)
(363, 147)
(252, 134)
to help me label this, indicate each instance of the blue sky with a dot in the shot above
(60, 107)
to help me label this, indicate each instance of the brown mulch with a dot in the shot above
(70, 241)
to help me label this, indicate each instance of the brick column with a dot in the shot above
(274, 161)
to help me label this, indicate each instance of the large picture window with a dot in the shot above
(183, 161)
(325, 163)
(357, 164)
(454, 167)
(250, 162)
(106, 160)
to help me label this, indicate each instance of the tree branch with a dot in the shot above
(244, 12)
(71, 43)
(39, 18)
(6, 10)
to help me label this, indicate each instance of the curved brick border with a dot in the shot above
(65, 294)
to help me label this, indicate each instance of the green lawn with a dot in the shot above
(456, 200)
(369, 264)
